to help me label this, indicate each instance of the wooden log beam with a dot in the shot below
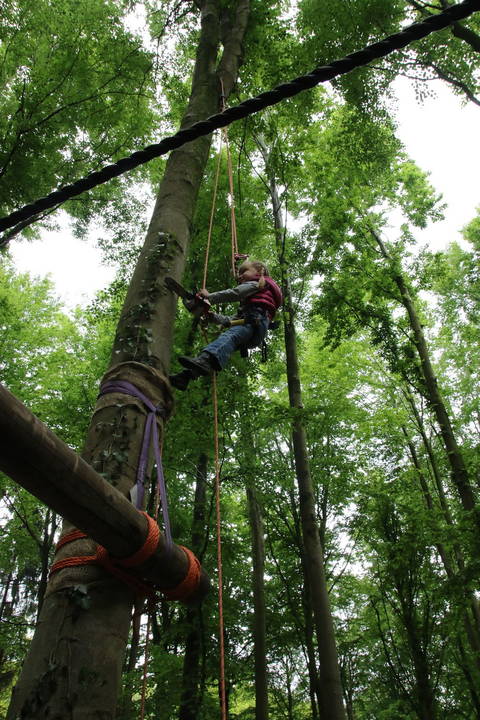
(35, 458)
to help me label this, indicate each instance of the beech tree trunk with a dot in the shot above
(74, 665)
(455, 459)
(44, 547)
(450, 569)
(190, 698)
(259, 610)
(330, 687)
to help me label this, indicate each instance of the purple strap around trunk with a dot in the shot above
(122, 386)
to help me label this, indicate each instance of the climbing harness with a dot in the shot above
(248, 107)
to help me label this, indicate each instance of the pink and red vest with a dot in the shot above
(269, 296)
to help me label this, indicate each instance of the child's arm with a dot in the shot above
(237, 294)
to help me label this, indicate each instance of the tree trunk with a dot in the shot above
(6, 588)
(259, 611)
(313, 679)
(190, 698)
(427, 707)
(470, 628)
(455, 459)
(73, 669)
(49, 530)
(331, 700)
(454, 455)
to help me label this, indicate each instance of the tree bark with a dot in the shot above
(146, 325)
(45, 546)
(74, 665)
(259, 611)
(190, 697)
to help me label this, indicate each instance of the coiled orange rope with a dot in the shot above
(115, 566)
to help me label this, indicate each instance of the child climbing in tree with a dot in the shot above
(259, 297)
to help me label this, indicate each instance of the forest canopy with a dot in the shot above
(349, 463)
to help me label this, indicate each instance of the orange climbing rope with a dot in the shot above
(117, 566)
(114, 566)
(212, 213)
(233, 220)
(234, 256)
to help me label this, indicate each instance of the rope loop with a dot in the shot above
(190, 582)
(150, 438)
(148, 547)
(117, 566)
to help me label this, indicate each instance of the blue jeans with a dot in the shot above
(249, 335)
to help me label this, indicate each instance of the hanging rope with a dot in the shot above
(248, 107)
(212, 214)
(223, 703)
(223, 141)
(150, 610)
(233, 220)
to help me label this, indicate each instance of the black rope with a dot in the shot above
(248, 107)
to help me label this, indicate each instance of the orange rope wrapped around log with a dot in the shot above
(116, 566)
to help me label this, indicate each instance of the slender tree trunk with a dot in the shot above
(190, 697)
(74, 665)
(454, 455)
(6, 588)
(331, 703)
(259, 611)
(309, 630)
(313, 679)
(458, 468)
(126, 706)
(447, 563)
(49, 529)
(432, 460)
(427, 707)
(472, 682)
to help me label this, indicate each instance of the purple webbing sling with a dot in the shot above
(122, 386)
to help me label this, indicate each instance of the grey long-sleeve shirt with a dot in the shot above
(236, 294)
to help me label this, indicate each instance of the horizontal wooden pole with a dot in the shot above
(35, 458)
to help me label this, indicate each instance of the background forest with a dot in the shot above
(350, 468)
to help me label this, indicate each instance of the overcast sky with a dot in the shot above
(441, 136)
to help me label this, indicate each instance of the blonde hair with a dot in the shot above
(260, 267)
